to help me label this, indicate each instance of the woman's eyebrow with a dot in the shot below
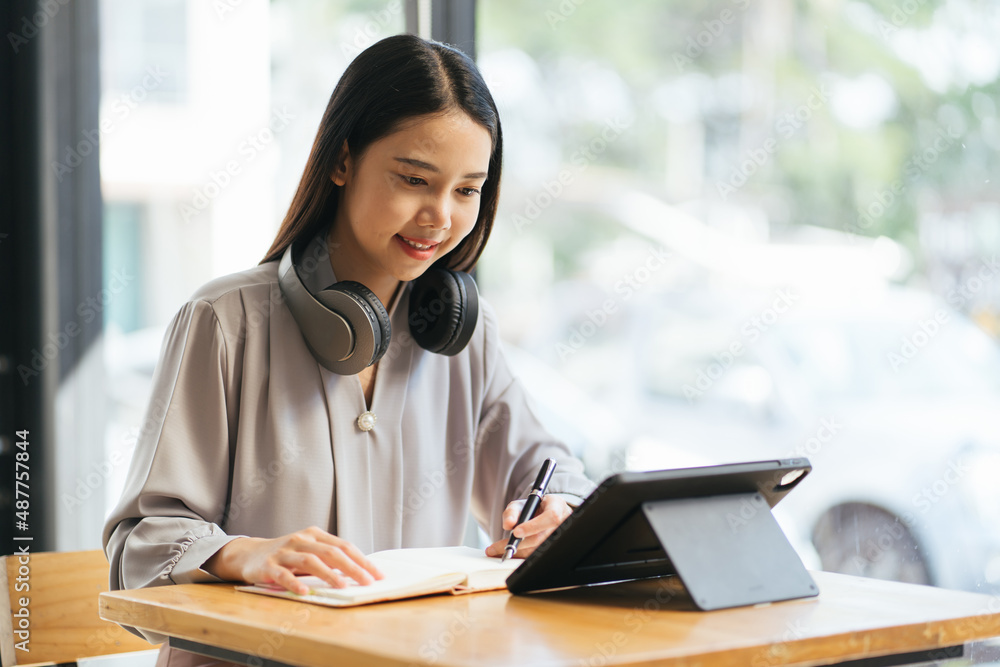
(429, 167)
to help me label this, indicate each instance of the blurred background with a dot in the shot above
(729, 231)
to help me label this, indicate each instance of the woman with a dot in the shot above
(259, 463)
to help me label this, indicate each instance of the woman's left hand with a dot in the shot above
(552, 512)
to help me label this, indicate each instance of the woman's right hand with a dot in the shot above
(311, 551)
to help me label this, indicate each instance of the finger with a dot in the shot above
(512, 514)
(359, 559)
(544, 521)
(285, 565)
(497, 548)
(283, 577)
(556, 504)
(553, 511)
(310, 563)
(334, 557)
(529, 544)
(340, 553)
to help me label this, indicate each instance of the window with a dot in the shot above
(765, 229)
(145, 50)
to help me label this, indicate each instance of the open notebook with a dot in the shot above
(408, 573)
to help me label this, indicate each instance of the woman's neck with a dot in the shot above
(348, 264)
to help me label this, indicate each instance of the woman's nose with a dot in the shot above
(436, 213)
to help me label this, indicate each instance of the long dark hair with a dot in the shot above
(395, 79)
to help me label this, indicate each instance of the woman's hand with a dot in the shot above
(552, 512)
(277, 561)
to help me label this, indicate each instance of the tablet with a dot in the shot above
(711, 525)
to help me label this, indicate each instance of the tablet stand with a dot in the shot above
(729, 550)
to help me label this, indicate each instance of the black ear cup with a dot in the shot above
(444, 309)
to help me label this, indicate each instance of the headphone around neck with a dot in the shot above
(347, 329)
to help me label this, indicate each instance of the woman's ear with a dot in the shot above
(344, 165)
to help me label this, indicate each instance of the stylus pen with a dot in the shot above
(530, 505)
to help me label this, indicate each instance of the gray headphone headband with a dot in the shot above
(338, 327)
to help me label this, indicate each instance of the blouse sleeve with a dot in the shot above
(166, 524)
(511, 443)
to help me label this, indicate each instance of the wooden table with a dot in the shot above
(639, 623)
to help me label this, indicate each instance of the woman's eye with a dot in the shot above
(468, 192)
(413, 180)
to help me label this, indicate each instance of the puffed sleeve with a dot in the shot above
(166, 524)
(511, 443)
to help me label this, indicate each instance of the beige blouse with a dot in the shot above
(246, 434)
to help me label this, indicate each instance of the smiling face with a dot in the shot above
(410, 198)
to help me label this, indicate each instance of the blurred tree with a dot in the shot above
(868, 117)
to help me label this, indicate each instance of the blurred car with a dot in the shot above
(741, 348)
(893, 398)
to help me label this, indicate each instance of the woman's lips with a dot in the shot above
(416, 248)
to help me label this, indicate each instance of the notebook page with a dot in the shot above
(482, 570)
(400, 578)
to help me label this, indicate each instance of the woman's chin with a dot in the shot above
(412, 274)
(413, 270)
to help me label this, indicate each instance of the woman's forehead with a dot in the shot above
(454, 139)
